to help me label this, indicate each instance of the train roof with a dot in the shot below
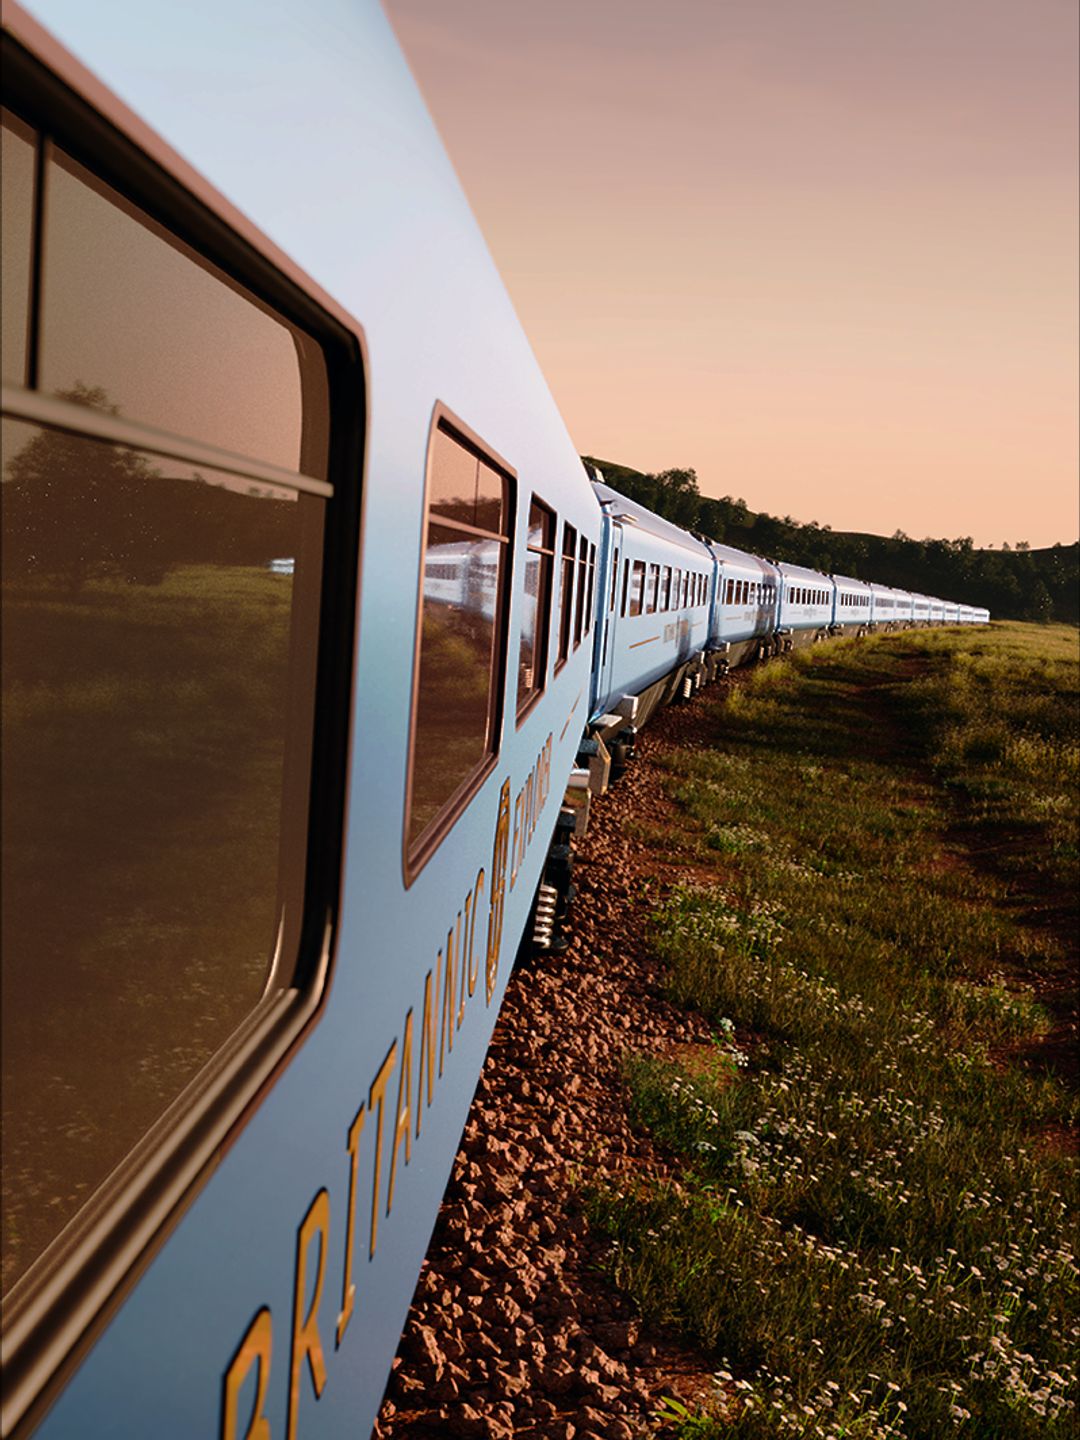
(730, 555)
(801, 572)
(645, 520)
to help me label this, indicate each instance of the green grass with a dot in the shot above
(869, 1221)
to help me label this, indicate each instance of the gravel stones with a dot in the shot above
(512, 1331)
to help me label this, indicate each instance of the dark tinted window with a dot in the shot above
(160, 628)
(156, 620)
(650, 593)
(637, 586)
(456, 704)
(566, 588)
(18, 161)
(591, 587)
(536, 607)
(582, 586)
(127, 310)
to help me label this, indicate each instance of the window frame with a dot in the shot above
(581, 582)
(416, 852)
(638, 570)
(544, 608)
(567, 560)
(55, 1311)
(590, 590)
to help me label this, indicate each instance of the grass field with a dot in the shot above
(867, 1221)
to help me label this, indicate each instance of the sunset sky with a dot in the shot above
(823, 251)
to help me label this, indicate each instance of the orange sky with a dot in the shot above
(824, 251)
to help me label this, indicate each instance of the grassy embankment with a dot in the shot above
(869, 1231)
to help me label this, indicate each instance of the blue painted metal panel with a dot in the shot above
(644, 648)
(797, 612)
(321, 138)
(737, 616)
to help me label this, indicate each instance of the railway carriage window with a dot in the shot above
(614, 581)
(654, 589)
(19, 162)
(729, 591)
(536, 614)
(582, 586)
(637, 587)
(566, 612)
(458, 689)
(625, 584)
(592, 585)
(160, 629)
(244, 393)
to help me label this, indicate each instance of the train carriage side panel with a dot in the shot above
(287, 1265)
(658, 627)
(806, 604)
(851, 605)
(746, 604)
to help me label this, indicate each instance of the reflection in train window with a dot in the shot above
(566, 588)
(156, 618)
(589, 595)
(625, 585)
(582, 586)
(536, 604)
(458, 689)
(160, 633)
(637, 587)
(258, 390)
(650, 592)
(17, 217)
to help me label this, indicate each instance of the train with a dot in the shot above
(319, 640)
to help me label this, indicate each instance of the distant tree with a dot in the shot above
(76, 508)
(1015, 582)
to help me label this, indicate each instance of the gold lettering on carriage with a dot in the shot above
(448, 986)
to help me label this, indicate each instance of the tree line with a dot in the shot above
(1015, 583)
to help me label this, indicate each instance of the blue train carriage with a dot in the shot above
(298, 567)
(922, 613)
(889, 609)
(745, 607)
(852, 602)
(653, 624)
(806, 606)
